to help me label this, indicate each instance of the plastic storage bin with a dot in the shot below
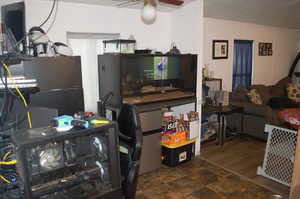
(173, 155)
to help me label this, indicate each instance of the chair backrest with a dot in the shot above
(130, 134)
(130, 130)
(129, 186)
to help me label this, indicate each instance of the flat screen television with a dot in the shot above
(162, 68)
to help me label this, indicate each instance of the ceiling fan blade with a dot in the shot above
(128, 3)
(173, 2)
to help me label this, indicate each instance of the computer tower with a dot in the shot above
(80, 163)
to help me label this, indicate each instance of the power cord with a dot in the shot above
(20, 94)
(50, 14)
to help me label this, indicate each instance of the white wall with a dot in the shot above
(186, 29)
(266, 69)
(187, 33)
(88, 49)
(74, 17)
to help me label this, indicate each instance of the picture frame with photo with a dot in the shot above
(220, 49)
(265, 49)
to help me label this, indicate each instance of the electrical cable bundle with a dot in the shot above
(7, 164)
(54, 10)
(7, 102)
(9, 186)
(9, 181)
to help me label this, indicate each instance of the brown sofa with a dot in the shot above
(256, 116)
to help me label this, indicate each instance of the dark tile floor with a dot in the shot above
(242, 156)
(197, 179)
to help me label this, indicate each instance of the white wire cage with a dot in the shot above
(279, 157)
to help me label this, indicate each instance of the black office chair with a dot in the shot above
(130, 140)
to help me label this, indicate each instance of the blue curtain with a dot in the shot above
(242, 63)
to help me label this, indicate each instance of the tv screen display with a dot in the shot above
(162, 68)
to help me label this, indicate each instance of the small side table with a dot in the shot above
(222, 112)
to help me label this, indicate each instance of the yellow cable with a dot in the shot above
(8, 163)
(4, 179)
(6, 155)
(19, 92)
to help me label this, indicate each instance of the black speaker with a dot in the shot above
(80, 163)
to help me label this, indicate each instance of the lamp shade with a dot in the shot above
(148, 13)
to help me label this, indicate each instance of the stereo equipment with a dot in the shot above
(80, 163)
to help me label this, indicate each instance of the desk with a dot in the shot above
(222, 112)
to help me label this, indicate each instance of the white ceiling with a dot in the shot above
(161, 6)
(283, 13)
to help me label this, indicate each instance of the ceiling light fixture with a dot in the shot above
(149, 12)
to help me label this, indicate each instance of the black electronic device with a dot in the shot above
(13, 16)
(59, 80)
(66, 101)
(81, 163)
(51, 73)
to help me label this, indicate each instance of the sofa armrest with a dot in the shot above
(255, 109)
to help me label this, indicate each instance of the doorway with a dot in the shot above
(88, 46)
(242, 63)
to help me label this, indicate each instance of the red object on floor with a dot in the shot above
(290, 116)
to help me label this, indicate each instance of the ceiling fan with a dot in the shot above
(125, 3)
(148, 13)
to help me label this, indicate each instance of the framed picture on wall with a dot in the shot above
(220, 49)
(265, 49)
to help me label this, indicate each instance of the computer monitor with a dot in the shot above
(162, 68)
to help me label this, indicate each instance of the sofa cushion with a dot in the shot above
(264, 92)
(281, 102)
(293, 92)
(279, 89)
(263, 111)
(255, 97)
(239, 94)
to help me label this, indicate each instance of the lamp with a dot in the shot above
(149, 11)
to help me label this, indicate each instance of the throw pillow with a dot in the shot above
(254, 97)
(281, 102)
(263, 91)
(293, 92)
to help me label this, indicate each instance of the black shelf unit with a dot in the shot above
(116, 69)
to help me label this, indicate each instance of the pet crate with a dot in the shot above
(279, 155)
(80, 163)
